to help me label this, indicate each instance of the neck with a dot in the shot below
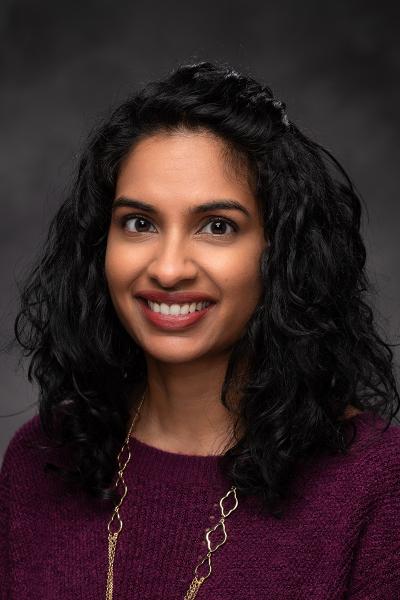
(182, 411)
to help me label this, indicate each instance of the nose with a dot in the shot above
(172, 262)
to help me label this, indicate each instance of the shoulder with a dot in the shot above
(27, 473)
(372, 460)
(28, 446)
(368, 471)
(376, 450)
(376, 469)
(27, 434)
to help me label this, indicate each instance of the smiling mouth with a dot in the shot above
(175, 316)
(176, 309)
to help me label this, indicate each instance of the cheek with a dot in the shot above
(244, 285)
(113, 269)
(239, 276)
(120, 267)
(239, 280)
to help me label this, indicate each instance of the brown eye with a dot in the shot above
(219, 227)
(138, 225)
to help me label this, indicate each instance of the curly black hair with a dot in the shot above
(312, 346)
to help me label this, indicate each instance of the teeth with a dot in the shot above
(176, 309)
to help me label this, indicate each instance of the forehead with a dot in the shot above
(185, 167)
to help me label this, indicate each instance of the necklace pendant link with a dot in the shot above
(208, 559)
(221, 502)
(219, 524)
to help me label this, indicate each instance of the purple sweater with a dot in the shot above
(340, 539)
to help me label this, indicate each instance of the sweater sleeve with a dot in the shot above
(4, 527)
(376, 559)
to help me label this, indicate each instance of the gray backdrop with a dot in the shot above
(64, 63)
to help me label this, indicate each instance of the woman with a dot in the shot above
(215, 402)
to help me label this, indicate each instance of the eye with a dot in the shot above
(225, 222)
(138, 224)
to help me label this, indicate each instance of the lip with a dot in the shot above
(174, 297)
(172, 322)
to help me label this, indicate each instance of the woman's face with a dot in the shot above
(184, 231)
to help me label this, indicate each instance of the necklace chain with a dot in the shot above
(115, 524)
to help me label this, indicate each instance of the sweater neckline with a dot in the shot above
(157, 465)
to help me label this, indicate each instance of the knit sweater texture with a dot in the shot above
(338, 540)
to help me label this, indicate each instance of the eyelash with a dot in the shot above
(235, 228)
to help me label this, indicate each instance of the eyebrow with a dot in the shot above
(223, 204)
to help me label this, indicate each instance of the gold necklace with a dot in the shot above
(113, 535)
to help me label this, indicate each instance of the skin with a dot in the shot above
(178, 251)
(184, 252)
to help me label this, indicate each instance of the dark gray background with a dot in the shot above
(64, 64)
